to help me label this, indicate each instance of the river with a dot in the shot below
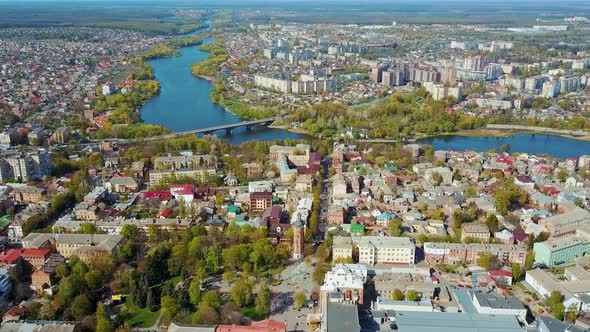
(184, 101)
(557, 146)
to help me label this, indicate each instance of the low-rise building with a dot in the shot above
(341, 247)
(44, 277)
(566, 223)
(385, 250)
(347, 280)
(336, 215)
(455, 253)
(85, 246)
(475, 230)
(574, 288)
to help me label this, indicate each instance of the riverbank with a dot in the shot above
(493, 132)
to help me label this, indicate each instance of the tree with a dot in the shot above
(397, 295)
(81, 307)
(555, 305)
(129, 231)
(47, 312)
(103, 321)
(485, 260)
(230, 314)
(319, 273)
(212, 299)
(169, 308)
(88, 228)
(529, 260)
(492, 222)
(151, 302)
(68, 288)
(241, 292)
(300, 299)
(457, 218)
(572, 313)
(228, 276)
(395, 227)
(412, 295)
(212, 261)
(219, 198)
(263, 299)
(516, 272)
(194, 291)
(177, 260)
(437, 179)
(205, 315)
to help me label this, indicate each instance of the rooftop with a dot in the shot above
(496, 301)
(385, 241)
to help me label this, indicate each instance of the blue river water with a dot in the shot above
(184, 102)
(557, 146)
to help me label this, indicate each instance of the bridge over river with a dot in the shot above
(250, 125)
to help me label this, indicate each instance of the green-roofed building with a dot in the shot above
(5, 222)
(357, 230)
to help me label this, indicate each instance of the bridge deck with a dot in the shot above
(197, 131)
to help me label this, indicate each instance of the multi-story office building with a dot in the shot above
(561, 250)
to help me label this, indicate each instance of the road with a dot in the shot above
(324, 199)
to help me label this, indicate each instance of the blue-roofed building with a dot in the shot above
(550, 324)
(408, 321)
(543, 201)
(469, 320)
(384, 218)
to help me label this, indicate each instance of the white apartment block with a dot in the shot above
(24, 166)
(440, 91)
(385, 250)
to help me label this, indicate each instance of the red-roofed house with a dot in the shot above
(35, 257)
(165, 195)
(268, 325)
(185, 192)
(501, 276)
(165, 213)
(504, 160)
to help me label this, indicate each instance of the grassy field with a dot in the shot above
(135, 316)
(253, 314)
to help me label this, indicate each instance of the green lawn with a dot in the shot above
(174, 281)
(253, 314)
(137, 316)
